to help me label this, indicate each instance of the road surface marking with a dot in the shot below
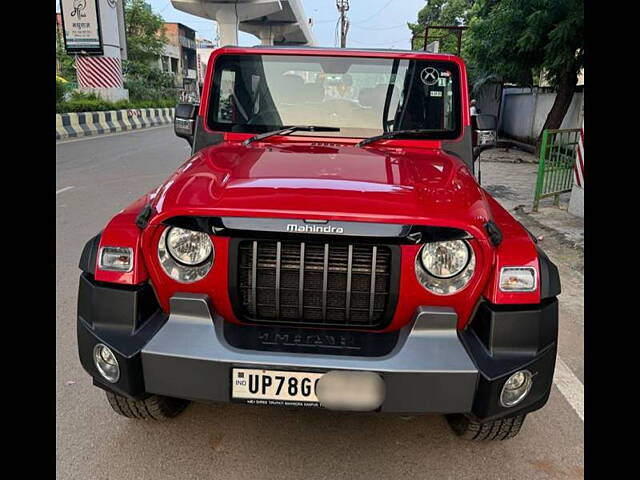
(570, 386)
(64, 189)
(94, 137)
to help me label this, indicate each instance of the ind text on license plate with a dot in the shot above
(274, 387)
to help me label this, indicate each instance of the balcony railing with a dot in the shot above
(187, 42)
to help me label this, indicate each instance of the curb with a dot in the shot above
(70, 125)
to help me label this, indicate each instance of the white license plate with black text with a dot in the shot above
(274, 387)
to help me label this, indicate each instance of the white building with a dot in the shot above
(204, 48)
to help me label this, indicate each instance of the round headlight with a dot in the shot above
(185, 255)
(444, 268)
(445, 259)
(188, 246)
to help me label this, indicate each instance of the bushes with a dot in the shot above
(89, 102)
(60, 90)
(148, 83)
(148, 87)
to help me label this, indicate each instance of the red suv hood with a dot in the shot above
(337, 182)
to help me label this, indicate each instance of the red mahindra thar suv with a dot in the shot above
(326, 245)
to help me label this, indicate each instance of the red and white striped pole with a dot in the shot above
(99, 72)
(576, 201)
(102, 74)
(579, 165)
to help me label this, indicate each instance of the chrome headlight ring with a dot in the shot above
(450, 285)
(179, 271)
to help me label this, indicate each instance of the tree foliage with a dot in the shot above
(441, 13)
(145, 43)
(64, 62)
(145, 32)
(516, 39)
(148, 82)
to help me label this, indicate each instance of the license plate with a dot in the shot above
(274, 387)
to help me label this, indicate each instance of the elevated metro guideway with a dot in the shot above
(274, 22)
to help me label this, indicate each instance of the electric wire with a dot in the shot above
(375, 14)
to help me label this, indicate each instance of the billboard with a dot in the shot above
(81, 26)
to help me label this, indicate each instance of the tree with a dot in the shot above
(515, 40)
(145, 43)
(64, 62)
(441, 13)
(145, 32)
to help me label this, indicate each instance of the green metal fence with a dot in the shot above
(555, 170)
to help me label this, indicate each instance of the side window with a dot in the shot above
(225, 106)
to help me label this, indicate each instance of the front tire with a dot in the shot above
(500, 429)
(155, 407)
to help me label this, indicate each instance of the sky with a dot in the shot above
(374, 23)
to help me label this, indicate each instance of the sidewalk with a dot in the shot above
(509, 175)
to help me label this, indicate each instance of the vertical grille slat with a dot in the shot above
(314, 282)
(325, 278)
(254, 279)
(278, 258)
(347, 299)
(301, 283)
(372, 295)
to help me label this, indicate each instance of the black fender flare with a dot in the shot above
(549, 276)
(89, 255)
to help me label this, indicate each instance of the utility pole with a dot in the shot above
(122, 29)
(343, 7)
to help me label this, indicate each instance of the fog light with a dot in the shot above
(106, 363)
(516, 388)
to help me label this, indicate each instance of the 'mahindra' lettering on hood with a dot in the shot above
(292, 227)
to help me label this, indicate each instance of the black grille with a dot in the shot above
(315, 283)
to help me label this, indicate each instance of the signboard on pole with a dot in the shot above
(81, 26)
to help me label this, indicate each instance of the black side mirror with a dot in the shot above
(484, 132)
(184, 121)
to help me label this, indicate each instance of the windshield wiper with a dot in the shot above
(394, 134)
(288, 130)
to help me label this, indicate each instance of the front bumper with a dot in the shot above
(430, 366)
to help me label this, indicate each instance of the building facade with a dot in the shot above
(179, 56)
(204, 48)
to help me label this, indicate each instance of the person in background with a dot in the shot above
(473, 109)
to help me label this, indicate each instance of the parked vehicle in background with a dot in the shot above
(326, 245)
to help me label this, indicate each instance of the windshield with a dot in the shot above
(361, 96)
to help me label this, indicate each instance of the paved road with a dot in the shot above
(96, 177)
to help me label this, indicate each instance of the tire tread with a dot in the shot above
(500, 429)
(155, 407)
